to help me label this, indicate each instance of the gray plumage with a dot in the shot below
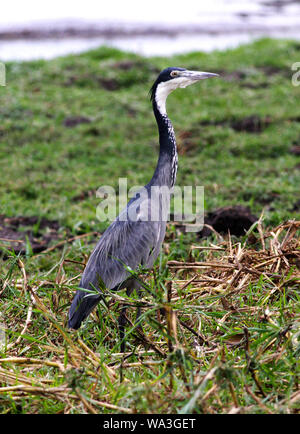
(131, 242)
(136, 235)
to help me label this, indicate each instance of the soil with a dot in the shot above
(296, 206)
(14, 232)
(251, 124)
(248, 124)
(295, 150)
(73, 121)
(84, 195)
(235, 219)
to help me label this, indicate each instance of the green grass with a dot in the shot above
(250, 356)
(214, 345)
(45, 164)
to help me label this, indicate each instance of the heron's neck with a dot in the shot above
(166, 169)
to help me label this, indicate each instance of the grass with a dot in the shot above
(218, 336)
(48, 164)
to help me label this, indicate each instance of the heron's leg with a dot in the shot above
(122, 320)
(131, 286)
(137, 286)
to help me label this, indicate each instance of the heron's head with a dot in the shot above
(170, 79)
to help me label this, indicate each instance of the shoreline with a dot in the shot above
(132, 30)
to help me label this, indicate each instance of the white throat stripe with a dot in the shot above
(166, 87)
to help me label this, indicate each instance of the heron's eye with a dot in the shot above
(174, 73)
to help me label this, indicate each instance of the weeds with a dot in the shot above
(219, 329)
(218, 333)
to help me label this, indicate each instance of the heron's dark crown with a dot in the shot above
(164, 75)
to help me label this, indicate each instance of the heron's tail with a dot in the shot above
(81, 307)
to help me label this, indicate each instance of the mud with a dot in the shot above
(295, 150)
(73, 121)
(84, 195)
(251, 124)
(109, 83)
(296, 206)
(234, 219)
(15, 231)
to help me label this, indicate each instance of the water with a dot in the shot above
(195, 25)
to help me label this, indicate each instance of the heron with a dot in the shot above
(135, 237)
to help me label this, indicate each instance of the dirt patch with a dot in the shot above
(16, 231)
(84, 195)
(237, 75)
(235, 219)
(93, 131)
(248, 124)
(269, 70)
(109, 84)
(92, 81)
(73, 121)
(251, 124)
(127, 65)
(242, 75)
(249, 85)
(296, 206)
(186, 142)
(295, 150)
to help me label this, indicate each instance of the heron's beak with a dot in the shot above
(198, 75)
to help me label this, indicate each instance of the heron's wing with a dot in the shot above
(124, 244)
(130, 241)
(133, 239)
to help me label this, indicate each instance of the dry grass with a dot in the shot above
(222, 335)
